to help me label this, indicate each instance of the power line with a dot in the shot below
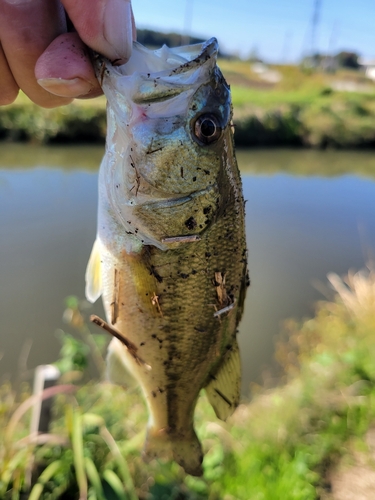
(333, 38)
(188, 21)
(314, 25)
(309, 41)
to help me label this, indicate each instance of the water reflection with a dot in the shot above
(67, 158)
(307, 162)
(298, 230)
(301, 224)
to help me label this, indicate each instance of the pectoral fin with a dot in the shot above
(94, 275)
(223, 391)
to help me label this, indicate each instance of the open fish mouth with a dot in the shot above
(165, 61)
(156, 76)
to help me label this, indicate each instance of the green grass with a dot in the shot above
(280, 445)
(247, 97)
(302, 108)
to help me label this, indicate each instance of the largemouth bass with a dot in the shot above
(170, 255)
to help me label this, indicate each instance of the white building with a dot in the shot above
(368, 66)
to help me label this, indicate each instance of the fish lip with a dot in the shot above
(208, 50)
(196, 55)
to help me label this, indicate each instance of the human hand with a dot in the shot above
(50, 65)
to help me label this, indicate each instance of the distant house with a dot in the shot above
(368, 66)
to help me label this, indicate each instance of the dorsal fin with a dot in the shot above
(223, 391)
(94, 274)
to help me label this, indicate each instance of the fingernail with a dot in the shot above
(66, 88)
(118, 28)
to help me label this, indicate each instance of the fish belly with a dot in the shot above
(168, 304)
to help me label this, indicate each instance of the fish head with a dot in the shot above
(169, 115)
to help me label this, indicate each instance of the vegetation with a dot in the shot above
(280, 105)
(304, 107)
(347, 59)
(330, 63)
(81, 121)
(280, 445)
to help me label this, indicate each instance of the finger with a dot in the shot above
(65, 68)
(106, 26)
(134, 29)
(8, 85)
(27, 27)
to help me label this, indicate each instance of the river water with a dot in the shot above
(307, 213)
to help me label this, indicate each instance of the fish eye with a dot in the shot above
(207, 129)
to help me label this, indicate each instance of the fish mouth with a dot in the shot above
(167, 61)
(161, 74)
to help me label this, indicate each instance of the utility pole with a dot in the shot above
(330, 65)
(188, 19)
(314, 25)
(333, 38)
(309, 48)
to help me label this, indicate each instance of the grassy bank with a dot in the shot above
(288, 442)
(295, 108)
(301, 107)
(81, 121)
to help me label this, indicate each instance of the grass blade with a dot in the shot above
(121, 462)
(94, 478)
(78, 457)
(115, 483)
(45, 476)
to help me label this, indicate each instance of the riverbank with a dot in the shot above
(301, 440)
(277, 106)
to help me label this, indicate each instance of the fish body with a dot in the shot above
(170, 255)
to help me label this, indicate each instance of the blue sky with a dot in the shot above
(279, 30)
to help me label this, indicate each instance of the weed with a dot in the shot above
(279, 445)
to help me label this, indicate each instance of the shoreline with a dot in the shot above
(320, 120)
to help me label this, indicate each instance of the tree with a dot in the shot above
(346, 59)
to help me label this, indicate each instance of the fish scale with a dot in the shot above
(170, 259)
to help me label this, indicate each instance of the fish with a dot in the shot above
(170, 255)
